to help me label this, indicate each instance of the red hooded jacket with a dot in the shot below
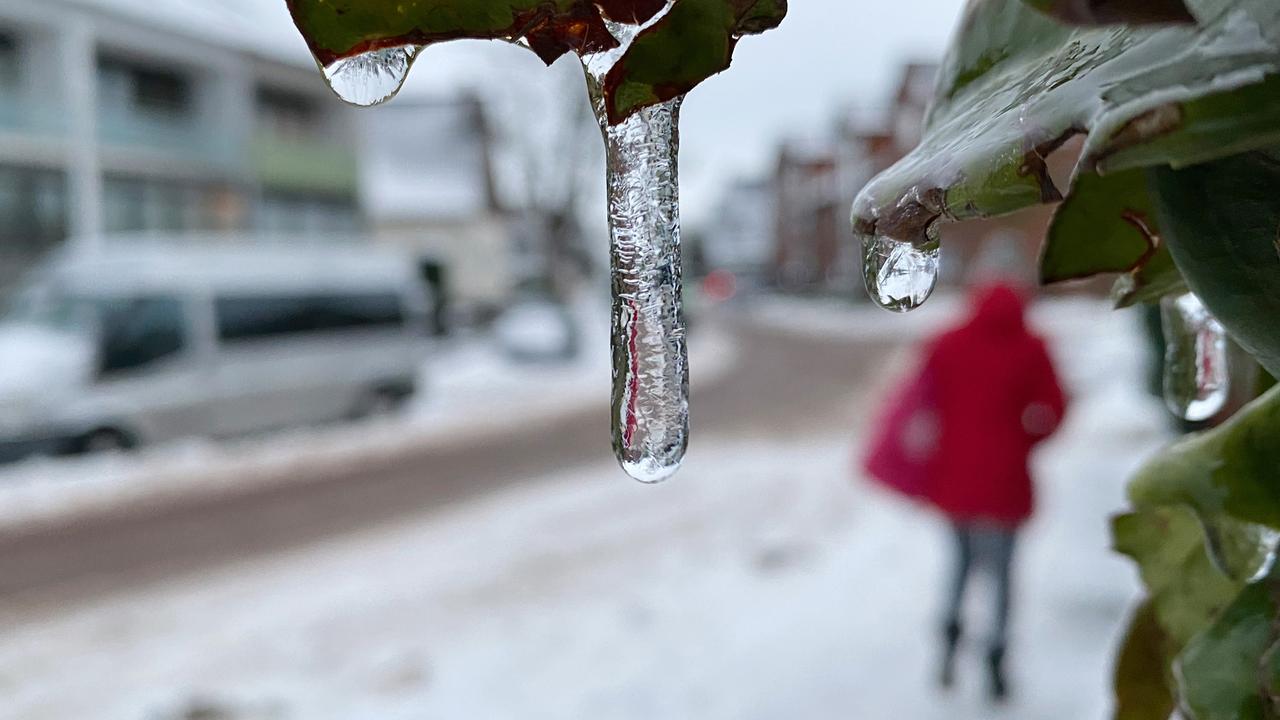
(996, 393)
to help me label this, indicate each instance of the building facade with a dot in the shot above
(428, 188)
(815, 181)
(111, 121)
(742, 240)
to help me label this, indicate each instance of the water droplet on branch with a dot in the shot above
(900, 276)
(650, 399)
(1196, 379)
(373, 77)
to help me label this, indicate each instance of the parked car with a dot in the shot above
(136, 341)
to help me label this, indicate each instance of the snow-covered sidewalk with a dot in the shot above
(761, 583)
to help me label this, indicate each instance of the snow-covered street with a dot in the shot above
(763, 582)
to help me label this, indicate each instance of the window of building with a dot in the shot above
(124, 205)
(161, 91)
(286, 114)
(295, 213)
(33, 206)
(10, 62)
(132, 204)
(125, 86)
(252, 317)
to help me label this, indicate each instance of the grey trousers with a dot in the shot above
(989, 546)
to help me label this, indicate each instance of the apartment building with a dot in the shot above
(125, 116)
(428, 188)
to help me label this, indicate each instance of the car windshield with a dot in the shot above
(48, 307)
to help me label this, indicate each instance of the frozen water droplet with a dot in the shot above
(1242, 551)
(373, 77)
(1196, 380)
(650, 408)
(899, 276)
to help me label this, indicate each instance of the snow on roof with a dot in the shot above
(183, 260)
(425, 159)
(260, 27)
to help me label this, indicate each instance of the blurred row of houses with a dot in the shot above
(125, 116)
(790, 231)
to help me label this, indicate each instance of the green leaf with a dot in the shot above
(1221, 221)
(1232, 470)
(1142, 687)
(693, 41)
(1186, 591)
(1229, 671)
(1016, 85)
(1107, 224)
(342, 28)
(1101, 12)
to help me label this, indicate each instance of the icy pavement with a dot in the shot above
(762, 583)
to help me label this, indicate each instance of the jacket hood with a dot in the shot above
(998, 309)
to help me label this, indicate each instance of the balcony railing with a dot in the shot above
(20, 114)
(173, 139)
(306, 165)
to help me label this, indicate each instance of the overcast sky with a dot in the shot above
(829, 55)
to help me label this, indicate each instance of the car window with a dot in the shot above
(246, 317)
(137, 331)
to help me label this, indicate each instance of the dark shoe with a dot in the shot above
(995, 665)
(951, 642)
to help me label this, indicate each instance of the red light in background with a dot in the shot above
(719, 285)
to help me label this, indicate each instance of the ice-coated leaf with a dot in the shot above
(1229, 672)
(1221, 221)
(1106, 225)
(1141, 682)
(342, 28)
(1186, 591)
(1016, 84)
(1232, 470)
(692, 42)
(1101, 12)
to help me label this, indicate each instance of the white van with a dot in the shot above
(137, 341)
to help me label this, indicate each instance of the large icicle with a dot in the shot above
(650, 408)
(650, 363)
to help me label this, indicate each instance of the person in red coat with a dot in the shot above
(995, 395)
